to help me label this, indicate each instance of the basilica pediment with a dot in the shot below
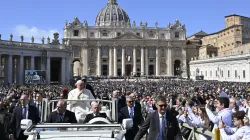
(128, 35)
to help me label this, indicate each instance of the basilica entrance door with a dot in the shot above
(105, 70)
(119, 72)
(151, 70)
(177, 67)
(128, 69)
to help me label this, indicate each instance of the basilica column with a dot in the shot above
(32, 64)
(115, 61)
(170, 69)
(142, 61)
(157, 63)
(63, 68)
(99, 65)
(184, 62)
(110, 61)
(10, 69)
(85, 66)
(134, 60)
(21, 70)
(48, 70)
(146, 60)
(123, 60)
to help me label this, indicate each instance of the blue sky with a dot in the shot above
(43, 17)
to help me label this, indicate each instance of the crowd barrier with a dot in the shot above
(50, 105)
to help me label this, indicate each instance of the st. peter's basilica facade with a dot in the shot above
(115, 46)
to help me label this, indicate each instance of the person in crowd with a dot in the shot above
(238, 119)
(162, 124)
(95, 107)
(80, 108)
(4, 122)
(62, 115)
(224, 112)
(132, 111)
(88, 86)
(38, 103)
(25, 111)
(121, 100)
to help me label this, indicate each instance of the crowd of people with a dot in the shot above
(155, 105)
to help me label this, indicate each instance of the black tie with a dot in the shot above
(163, 128)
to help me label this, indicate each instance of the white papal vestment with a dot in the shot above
(80, 108)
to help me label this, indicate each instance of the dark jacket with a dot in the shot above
(15, 122)
(152, 123)
(69, 117)
(89, 87)
(91, 116)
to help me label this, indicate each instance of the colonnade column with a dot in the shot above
(146, 60)
(115, 61)
(85, 65)
(63, 68)
(142, 61)
(134, 60)
(157, 63)
(48, 70)
(21, 70)
(110, 61)
(170, 69)
(32, 63)
(123, 60)
(99, 65)
(10, 70)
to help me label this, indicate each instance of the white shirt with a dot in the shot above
(236, 136)
(130, 109)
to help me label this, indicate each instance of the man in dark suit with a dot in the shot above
(96, 113)
(162, 124)
(88, 86)
(38, 103)
(121, 100)
(25, 111)
(62, 115)
(132, 111)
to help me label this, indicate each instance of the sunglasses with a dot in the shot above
(164, 105)
(130, 101)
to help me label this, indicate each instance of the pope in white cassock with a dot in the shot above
(80, 108)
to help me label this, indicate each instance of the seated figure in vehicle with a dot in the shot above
(95, 107)
(80, 108)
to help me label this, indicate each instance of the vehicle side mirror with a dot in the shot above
(25, 123)
(127, 123)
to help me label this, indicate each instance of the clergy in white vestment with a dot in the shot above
(224, 114)
(80, 108)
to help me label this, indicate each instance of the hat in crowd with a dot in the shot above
(223, 94)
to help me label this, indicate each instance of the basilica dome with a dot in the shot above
(111, 14)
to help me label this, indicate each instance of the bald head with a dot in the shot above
(24, 99)
(61, 106)
(95, 107)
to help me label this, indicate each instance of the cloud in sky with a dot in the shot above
(37, 33)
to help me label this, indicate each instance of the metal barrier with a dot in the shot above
(194, 135)
(49, 106)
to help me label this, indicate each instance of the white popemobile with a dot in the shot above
(97, 128)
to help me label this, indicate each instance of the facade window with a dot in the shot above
(119, 52)
(211, 74)
(104, 34)
(105, 51)
(128, 52)
(150, 52)
(118, 34)
(222, 73)
(138, 34)
(176, 34)
(235, 74)
(206, 73)
(76, 52)
(91, 34)
(76, 32)
(151, 34)
(228, 73)
(162, 35)
(244, 74)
